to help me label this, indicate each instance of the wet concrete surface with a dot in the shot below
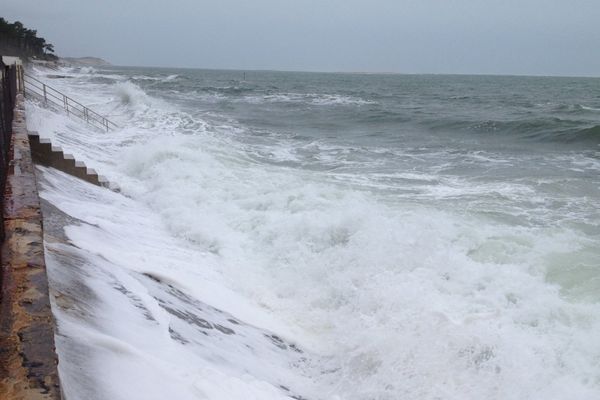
(28, 361)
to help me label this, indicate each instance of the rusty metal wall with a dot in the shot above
(8, 89)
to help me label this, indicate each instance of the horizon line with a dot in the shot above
(532, 75)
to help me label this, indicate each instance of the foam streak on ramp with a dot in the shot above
(139, 323)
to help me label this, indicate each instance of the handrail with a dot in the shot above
(50, 95)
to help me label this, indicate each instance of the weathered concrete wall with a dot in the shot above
(27, 354)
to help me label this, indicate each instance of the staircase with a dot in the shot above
(42, 150)
(44, 153)
(34, 88)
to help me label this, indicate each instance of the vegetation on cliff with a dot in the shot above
(17, 40)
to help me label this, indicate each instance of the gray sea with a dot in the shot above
(416, 236)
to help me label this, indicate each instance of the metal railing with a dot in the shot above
(50, 96)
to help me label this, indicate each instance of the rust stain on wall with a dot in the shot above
(28, 362)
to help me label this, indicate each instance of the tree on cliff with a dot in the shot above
(17, 40)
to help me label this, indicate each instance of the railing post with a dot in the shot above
(45, 96)
(66, 101)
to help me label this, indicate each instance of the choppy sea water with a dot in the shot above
(372, 236)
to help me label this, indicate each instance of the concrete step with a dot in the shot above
(92, 176)
(34, 137)
(80, 170)
(68, 163)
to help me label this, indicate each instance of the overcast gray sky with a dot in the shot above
(534, 37)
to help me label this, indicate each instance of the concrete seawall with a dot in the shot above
(28, 361)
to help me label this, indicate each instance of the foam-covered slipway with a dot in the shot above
(326, 236)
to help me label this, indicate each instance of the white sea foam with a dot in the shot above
(86, 70)
(589, 108)
(392, 298)
(167, 78)
(148, 330)
(310, 98)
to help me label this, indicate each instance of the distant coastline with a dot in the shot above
(84, 61)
